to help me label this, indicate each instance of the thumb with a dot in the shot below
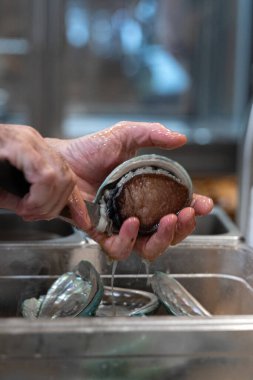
(141, 134)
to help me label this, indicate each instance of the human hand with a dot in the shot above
(52, 181)
(94, 156)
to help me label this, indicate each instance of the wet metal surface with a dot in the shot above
(217, 271)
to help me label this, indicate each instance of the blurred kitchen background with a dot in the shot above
(73, 67)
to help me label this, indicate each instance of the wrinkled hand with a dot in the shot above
(52, 181)
(93, 157)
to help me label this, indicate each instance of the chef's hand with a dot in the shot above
(52, 181)
(94, 156)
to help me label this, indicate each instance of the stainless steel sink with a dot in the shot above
(217, 224)
(215, 268)
(154, 347)
(36, 247)
(220, 294)
(14, 230)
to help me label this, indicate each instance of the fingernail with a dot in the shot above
(133, 227)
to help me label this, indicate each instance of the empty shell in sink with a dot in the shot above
(175, 297)
(76, 293)
(147, 187)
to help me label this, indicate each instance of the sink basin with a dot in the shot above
(217, 224)
(160, 346)
(220, 294)
(213, 264)
(36, 247)
(14, 230)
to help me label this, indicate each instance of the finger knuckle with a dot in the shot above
(67, 180)
(32, 131)
(49, 175)
(158, 125)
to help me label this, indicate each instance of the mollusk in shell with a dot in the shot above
(147, 187)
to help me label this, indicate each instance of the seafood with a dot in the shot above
(76, 293)
(147, 187)
(175, 297)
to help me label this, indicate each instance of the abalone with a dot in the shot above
(147, 187)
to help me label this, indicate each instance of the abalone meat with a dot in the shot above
(147, 187)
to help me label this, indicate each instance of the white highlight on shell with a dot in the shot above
(103, 220)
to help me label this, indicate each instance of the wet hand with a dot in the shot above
(52, 181)
(93, 157)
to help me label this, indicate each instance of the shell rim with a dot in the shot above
(155, 160)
